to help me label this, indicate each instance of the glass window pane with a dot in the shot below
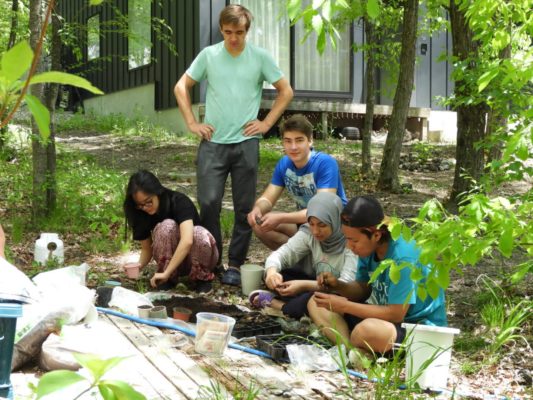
(327, 72)
(271, 30)
(93, 37)
(139, 37)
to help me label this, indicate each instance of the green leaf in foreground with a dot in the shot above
(41, 115)
(56, 380)
(16, 61)
(65, 79)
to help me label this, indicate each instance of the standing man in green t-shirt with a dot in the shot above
(235, 72)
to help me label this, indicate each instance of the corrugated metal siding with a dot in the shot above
(111, 72)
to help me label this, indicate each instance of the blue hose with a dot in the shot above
(166, 325)
(245, 349)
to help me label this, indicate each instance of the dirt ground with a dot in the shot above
(173, 163)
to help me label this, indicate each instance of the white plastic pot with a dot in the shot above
(49, 247)
(431, 345)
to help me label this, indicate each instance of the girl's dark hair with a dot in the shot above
(365, 213)
(141, 181)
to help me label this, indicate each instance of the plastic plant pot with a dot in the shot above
(132, 271)
(9, 312)
(144, 311)
(181, 313)
(159, 312)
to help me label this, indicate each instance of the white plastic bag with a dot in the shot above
(308, 357)
(128, 300)
(15, 285)
(62, 277)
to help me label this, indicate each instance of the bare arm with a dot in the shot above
(264, 204)
(271, 221)
(182, 91)
(283, 98)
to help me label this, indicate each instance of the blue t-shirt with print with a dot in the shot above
(430, 311)
(320, 172)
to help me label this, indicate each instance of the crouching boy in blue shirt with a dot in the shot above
(373, 327)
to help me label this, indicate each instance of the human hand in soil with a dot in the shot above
(290, 288)
(273, 278)
(158, 278)
(203, 131)
(332, 302)
(256, 127)
(327, 281)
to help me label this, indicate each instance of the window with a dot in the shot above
(139, 36)
(309, 71)
(93, 37)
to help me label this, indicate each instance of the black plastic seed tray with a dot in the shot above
(276, 345)
(263, 328)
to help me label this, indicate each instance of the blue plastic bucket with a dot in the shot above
(9, 312)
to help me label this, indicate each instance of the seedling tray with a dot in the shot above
(276, 345)
(248, 329)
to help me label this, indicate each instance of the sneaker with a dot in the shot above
(204, 287)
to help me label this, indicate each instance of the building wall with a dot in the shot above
(138, 102)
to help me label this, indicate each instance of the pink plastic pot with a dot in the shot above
(132, 271)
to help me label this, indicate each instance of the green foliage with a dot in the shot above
(323, 17)
(15, 64)
(503, 317)
(89, 200)
(109, 389)
(484, 227)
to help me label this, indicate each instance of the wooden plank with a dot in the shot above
(141, 373)
(177, 367)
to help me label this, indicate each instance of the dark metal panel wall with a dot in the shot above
(182, 17)
(111, 72)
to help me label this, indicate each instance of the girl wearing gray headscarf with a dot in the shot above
(318, 246)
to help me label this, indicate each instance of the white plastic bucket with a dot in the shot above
(49, 247)
(213, 332)
(429, 343)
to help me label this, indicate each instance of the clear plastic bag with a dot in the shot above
(308, 357)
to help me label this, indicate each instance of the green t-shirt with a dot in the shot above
(234, 87)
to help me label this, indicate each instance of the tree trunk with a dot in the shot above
(366, 163)
(39, 150)
(50, 94)
(471, 119)
(388, 174)
(14, 24)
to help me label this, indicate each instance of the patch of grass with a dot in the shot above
(90, 122)
(89, 200)
(470, 368)
(226, 223)
(469, 343)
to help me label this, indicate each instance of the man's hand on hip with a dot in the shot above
(203, 131)
(256, 127)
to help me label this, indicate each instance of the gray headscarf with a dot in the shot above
(327, 207)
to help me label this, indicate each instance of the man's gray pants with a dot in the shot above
(214, 163)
